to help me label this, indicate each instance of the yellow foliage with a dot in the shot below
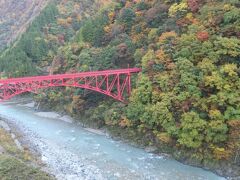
(107, 29)
(164, 137)
(76, 99)
(214, 80)
(62, 22)
(227, 7)
(137, 1)
(136, 37)
(52, 38)
(221, 153)
(125, 122)
(215, 114)
(230, 69)
(139, 13)
(111, 15)
(189, 16)
(152, 35)
(149, 56)
(166, 35)
(182, 6)
(69, 108)
(206, 65)
(192, 19)
(104, 2)
(62, 9)
(79, 18)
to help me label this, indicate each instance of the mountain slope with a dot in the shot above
(185, 101)
(15, 15)
(56, 25)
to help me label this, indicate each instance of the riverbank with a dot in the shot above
(130, 136)
(52, 158)
(186, 156)
(70, 151)
(16, 161)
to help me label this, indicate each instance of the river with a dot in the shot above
(71, 152)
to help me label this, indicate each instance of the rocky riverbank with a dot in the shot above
(61, 162)
(222, 168)
(16, 161)
(58, 161)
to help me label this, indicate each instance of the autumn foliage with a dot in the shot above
(202, 36)
(187, 95)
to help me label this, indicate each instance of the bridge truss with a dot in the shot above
(113, 83)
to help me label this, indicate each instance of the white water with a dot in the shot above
(64, 146)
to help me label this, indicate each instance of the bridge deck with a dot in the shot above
(113, 83)
(82, 74)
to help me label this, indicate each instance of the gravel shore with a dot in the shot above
(59, 162)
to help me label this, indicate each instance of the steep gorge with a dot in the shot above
(184, 102)
(15, 16)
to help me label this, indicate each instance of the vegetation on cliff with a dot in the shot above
(17, 164)
(186, 98)
(15, 16)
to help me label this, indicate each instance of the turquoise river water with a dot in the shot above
(111, 159)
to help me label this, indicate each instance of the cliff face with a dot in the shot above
(15, 15)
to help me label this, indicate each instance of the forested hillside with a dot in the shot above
(186, 101)
(53, 28)
(15, 16)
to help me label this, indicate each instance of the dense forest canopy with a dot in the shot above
(187, 97)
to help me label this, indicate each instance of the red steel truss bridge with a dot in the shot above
(113, 83)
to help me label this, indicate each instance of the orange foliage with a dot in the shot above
(163, 58)
(136, 37)
(171, 66)
(124, 123)
(107, 29)
(160, 54)
(202, 36)
(76, 6)
(69, 20)
(166, 35)
(62, 22)
(221, 153)
(234, 129)
(128, 4)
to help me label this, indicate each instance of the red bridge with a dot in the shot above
(113, 83)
